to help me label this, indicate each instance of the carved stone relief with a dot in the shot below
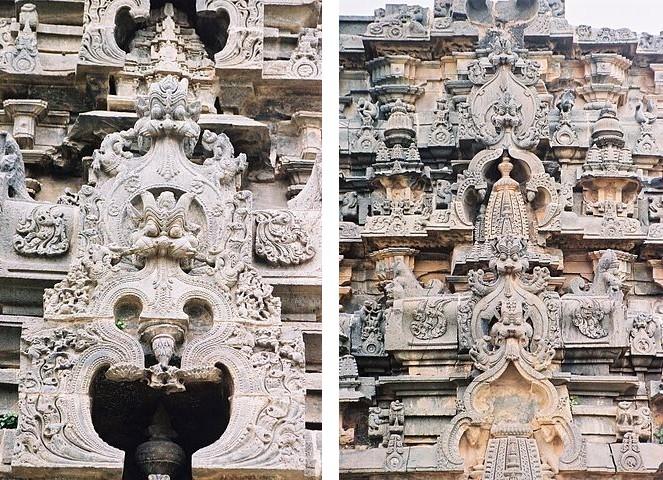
(165, 232)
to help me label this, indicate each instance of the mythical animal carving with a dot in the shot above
(598, 300)
(109, 159)
(43, 232)
(163, 228)
(631, 419)
(12, 169)
(225, 166)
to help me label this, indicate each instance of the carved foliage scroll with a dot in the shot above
(281, 239)
(43, 232)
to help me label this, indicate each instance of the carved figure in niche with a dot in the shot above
(395, 460)
(565, 134)
(441, 132)
(12, 168)
(225, 166)
(368, 112)
(23, 56)
(163, 228)
(377, 422)
(43, 232)
(643, 332)
(305, 59)
(348, 206)
(506, 213)
(443, 194)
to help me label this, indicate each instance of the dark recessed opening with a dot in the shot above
(125, 29)
(123, 412)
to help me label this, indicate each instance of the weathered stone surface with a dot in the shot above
(499, 232)
(160, 194)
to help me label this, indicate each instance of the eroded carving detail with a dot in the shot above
(42, 232)
(281, 239)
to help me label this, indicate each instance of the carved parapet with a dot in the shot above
(592, 35)
(399, 22)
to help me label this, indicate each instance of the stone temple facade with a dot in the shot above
(160, 244)
(501, 239)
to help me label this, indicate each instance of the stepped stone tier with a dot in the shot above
(501, 200)
(160, 244)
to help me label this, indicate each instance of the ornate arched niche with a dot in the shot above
(106, 23)
(537, 190)
(131, 415)
(172, 38)
(163, 308)
(244, 45)
(511, 326)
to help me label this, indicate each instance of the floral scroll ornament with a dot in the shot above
(43, 232)
(430, 320)
(281, 239)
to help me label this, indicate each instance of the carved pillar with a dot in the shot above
(25, 114)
